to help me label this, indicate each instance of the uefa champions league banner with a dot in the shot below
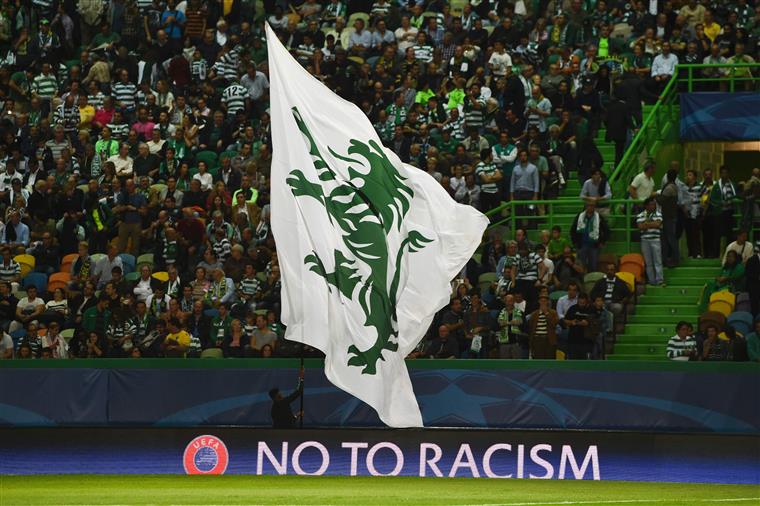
(713, 116)
(430, 453)
(576, 396)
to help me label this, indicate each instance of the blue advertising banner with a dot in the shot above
(694, 400)
(431, 453)
(713, 116)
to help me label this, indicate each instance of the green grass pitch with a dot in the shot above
(356, 491)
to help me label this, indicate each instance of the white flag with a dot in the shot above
(367, 245)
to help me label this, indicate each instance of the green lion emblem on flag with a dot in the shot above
(365, 208)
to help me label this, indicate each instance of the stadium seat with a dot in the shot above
(633, 263)
(129, 263)
(485, 280)
(67, 334)
(228, 154)
(723, 302)
(590, 279)
(26, 262)
(58, 280)
(207, 156)
(212, 353)
(741, 321)
(97, 257)
(556, 295)
(211, 313)
(629, 279)
(158, 187)
(260, 312)
(712, 317)
(38, 279)
(25, 269)
(261, 276)
(26, 259)
(358, 15)
(132, 276)
(743, 302)
(146, 259)
(68, 261)
(720, 306)
(161, 276)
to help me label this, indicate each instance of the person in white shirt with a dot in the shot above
(682, 346)
(664, 66)
(743, 248)
(642, 186)
(406, 35)
(499, 60)
(122, 161)
(205, 178)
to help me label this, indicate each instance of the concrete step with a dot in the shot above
(649, 330)
(642, 339)
(680, 310)
(641, 349)
(673, 290)
(661, 319)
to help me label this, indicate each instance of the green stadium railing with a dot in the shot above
(664, 114)
(506, 213)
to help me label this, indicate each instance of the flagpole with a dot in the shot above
(302, 380)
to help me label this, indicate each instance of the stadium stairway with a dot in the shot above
(569, 205)
(661, 307)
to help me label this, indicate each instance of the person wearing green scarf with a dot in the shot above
(731, 278)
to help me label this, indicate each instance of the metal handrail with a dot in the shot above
(628, 165)
(549, 215)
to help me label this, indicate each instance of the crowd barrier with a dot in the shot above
(632, 396)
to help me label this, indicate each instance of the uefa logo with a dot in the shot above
(206, 455)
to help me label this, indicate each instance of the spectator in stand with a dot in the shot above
(642, 185)
(649, 222)
(743, 248)
(614, 291)
(577, 320)
(443, 346)
(512, 341)
(682, 346)
(542, 334)
(589, 232)
(752, 273)
(693, 212)
(668, 200)
(731, 278)
(721, 205)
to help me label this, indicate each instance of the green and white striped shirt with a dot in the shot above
(423, 53)
(234, 98)
(679, 349)
(487, 169)
(46, 86)
(650, 234)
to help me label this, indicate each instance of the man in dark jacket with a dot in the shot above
(614, 291)
(589, 233)
(282, 417)
(619, 120)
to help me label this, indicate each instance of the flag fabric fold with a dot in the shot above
(367, 245)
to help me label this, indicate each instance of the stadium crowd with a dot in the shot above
(135, 155)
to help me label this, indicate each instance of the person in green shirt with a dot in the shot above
(557, 244)
(105, 37)
(220, 327)
(424, 93)
(20, 86)
(731, 278)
